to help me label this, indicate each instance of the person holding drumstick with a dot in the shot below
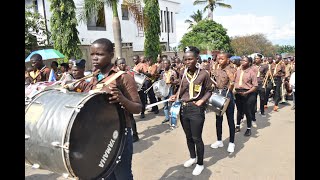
(224, 76)
(170, 77)
(195, 90)
(123, 90)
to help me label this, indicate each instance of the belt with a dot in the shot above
(188, 103)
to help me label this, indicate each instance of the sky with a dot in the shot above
(273, 18)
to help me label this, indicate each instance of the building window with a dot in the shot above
(35, 3)
(97, 22)
(171, 22)
(125, 12)
(161, 21)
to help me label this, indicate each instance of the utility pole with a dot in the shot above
(45, 21)
(168, 22)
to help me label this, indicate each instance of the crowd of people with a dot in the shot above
(191, 82)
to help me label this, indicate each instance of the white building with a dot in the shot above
(132, 35)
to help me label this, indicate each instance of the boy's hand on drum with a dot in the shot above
(117, 96)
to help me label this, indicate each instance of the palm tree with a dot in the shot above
(90, 7)
(211, 5)
(195, 18)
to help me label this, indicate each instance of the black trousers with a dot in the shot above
(143, 98)
(262, 95)
(151, 95)
(230, 118)
(133, 125)
(277, 91)
(245, 105)
(277, 95)
(192, 120)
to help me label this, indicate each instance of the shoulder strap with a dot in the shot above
(114, 77)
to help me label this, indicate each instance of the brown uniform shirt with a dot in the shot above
(280, 71)
(126, 85)
(141, 67)
(43, 74)
(288, 69)
(202, 84)
(81, 86)
(249, 79)
(261, 71)
(224, 76)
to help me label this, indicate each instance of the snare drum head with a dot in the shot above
(96, 138)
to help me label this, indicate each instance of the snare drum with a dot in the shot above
(139, 78)
(80, 134)
(218, 103)
(161, 89)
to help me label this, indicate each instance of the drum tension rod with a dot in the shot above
(76, 107)
(56, 144)
(26, 137)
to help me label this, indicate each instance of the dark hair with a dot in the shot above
(55, 62)
(36, 57)
(259, 55)
(249, 59)
(193, 49)
(226, 53)
(65, 65)
(118, 59)
(108, 45)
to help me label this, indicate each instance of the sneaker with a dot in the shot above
(263, 115)
(197, 170)
(231, 147)
(275, 108)
(173, 126)
(248, 132)
(237, 128)
(254, 124)
(190, 162)
(164, 121)
(217, 144)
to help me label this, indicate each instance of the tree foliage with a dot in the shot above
(207, 35)
(255, 43)
(211, 5)
(285, 49)
(195, 18)
(152, 29)
(64, 28)
(34, 27)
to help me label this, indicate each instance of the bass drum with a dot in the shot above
(80, 134)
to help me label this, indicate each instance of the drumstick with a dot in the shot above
(157, 103)
(85, 77)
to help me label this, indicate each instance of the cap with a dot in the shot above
(80, 63)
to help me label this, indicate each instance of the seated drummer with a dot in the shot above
(78, 73)
(123, 90)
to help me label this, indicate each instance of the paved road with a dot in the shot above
(268, 154)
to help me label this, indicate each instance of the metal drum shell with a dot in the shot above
(60, 120)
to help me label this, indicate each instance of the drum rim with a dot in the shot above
(67, 131)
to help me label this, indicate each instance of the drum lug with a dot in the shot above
(65, 146)
(77, 108)
(119, 159)
(26, 137)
